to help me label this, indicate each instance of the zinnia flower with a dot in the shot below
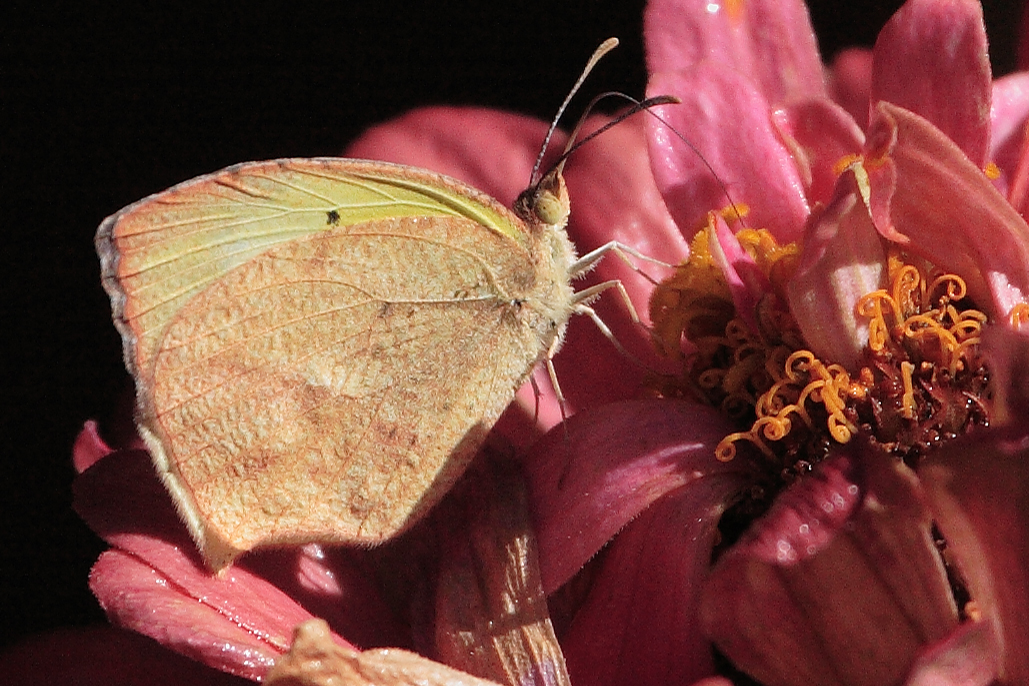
(828, 483)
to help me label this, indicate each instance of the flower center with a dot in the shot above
(920, 382)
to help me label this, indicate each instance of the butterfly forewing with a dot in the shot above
(320, 346)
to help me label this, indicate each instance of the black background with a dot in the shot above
(100, 106)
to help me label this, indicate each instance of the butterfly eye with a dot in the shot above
(547, 202)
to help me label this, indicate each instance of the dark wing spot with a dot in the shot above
(332, 217)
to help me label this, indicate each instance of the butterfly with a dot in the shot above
(320, 346)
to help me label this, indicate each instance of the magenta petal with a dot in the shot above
(926, 194)
(103, 656)
(979, 490)
(843, 259)
(839, 582)
(850, 82)
(749, 164)
(490, 150)
(590, 477)
(337, 584)
(157, 585)
(931, 58)
(137, 597)
(769, 41)
(822, 135)
(639, 623)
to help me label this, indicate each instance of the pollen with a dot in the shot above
(925, 377)
(921, 379)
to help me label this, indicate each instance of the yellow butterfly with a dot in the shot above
(320, 346)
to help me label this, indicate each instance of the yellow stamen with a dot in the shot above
(907, 402)
(1019, 315)
(803, 377)
(844, 162)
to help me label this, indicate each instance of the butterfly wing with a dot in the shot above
(319, 346)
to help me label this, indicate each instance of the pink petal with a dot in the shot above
(337, 584)
(138, 597)
(639, 624)
(843, 259)
(591, 476)
(739, 157)
(156, 584)
(103, 656)
(978, 488)
(839, 582)
(931, 58)
(850, 82)
(926, 195)
(1010, 142)
(89, 447)
(1008, 354)
(967, 657)
(1008, 118)
(770, 42)
(747, 283)
(821, 135)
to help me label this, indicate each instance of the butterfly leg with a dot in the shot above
(590, 259)
(579, 306)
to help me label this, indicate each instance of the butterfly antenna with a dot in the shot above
(604, 48)
(647, 106)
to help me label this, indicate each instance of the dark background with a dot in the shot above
(101, 106)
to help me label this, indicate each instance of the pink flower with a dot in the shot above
(851, 548)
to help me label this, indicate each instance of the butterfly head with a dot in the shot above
(545, 203)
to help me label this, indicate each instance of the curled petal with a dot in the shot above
(925, 194)
(931, 58)
(1008, 116)
(770, 41)
(746, 163)
(747, 283)
(843, 259)
(821, 135)
(979, 490)
(782, 603)
(604, 467)
(89, 447)
(639, 622)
